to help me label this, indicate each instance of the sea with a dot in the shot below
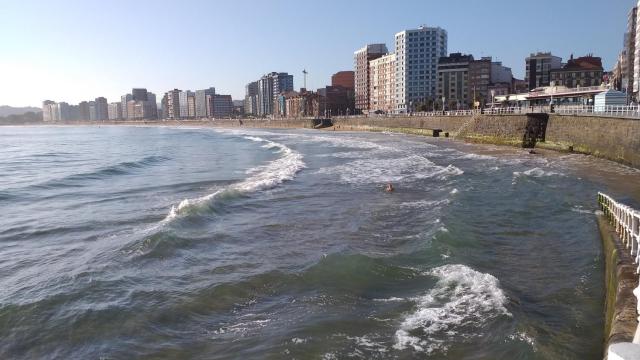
(124, 242)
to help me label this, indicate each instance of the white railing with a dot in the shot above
(629, 111)
(626, 222)
(632, 111)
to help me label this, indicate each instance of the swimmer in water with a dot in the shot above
(389, 188)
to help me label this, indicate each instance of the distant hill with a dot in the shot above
(9, 110)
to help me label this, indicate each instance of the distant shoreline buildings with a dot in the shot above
(417, 75)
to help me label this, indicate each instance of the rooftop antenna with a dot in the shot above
(304, 72)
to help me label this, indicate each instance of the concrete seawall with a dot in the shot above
(620, 281)
(610, 138)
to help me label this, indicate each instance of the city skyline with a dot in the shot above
(62, 54)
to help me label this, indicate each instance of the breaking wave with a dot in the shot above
(262, 177)
(461, 298)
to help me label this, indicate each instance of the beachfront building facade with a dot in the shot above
(222, 105)
(580, 72)
(251, 98)
(270, 86)
(362, 86)
(479, 80)
(417, 55)
(172, 111)
(382, 84)
(453, 80)
(204, 102)
(346, 79)
(102, 109)
(115, 111)
(538, 69)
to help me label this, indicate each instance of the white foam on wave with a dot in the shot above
(580, 210)
(535, 173)
(462, 297)
(472, 156)
(376, 170)
(424, 204)
(262, 177)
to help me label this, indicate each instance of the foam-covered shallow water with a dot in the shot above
(125, 242)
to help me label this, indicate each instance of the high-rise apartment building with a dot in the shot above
(635, 49)
(124, 100)
(93, 115)
(204, 103)
(382, 83)
(47, 110)
(628, 56)
(83, 111)
(185, 102)
(480, 78)
(222, 105)
(361, 74)
(102, 109)
(417, 55)
(538, 70)
(115, 111)
(139, 94)
(173, 104)
(346, 79)
(453, 80)
(251, 98)
(270, 86)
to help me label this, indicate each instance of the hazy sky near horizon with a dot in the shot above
(78, 50)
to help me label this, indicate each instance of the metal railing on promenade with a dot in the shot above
(626, 222)
(629, 111)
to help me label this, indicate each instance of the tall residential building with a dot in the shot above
(93, 115)
(102, 109)
(204, 103)
(361, 63)
(115, 111)
(346, 79)
(173, 104)
(453, 80)
(139, 94)
(382, 83)
(539, 66)
(47, 110)
(251, 98)
(184, 103)
(417, 55)
(583, 71)
(635, 49)
(270, 86)
(83, 111)
(480, 78)
(222, 105)
(124, 100)
(191, 104)
(627, 60)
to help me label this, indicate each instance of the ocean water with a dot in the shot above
(176, 243)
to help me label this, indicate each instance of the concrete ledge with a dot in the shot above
(621, 318)
(624, 351)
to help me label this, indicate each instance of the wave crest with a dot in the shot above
(262, 177)
(462, 297)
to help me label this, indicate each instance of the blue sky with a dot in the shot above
(78, 50)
